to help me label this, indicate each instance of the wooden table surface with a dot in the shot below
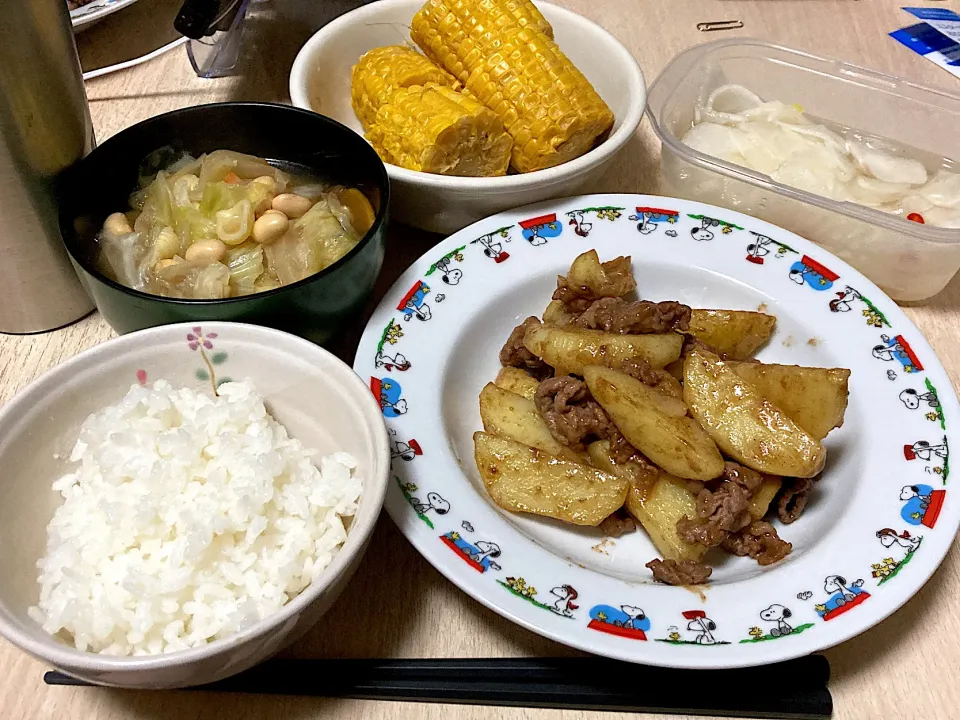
(398, 605)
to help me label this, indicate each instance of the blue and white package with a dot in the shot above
(937, 38)
(942, 20)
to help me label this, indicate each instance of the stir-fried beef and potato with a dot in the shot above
(609, 411)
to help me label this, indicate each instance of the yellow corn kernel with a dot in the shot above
(546, 104)
(435, 129)
(381, 71)
(374, 137)
(523, 12)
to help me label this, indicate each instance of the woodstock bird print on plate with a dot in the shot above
(879, 519)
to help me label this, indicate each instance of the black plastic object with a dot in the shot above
(796, 689)
(315, 307)
(200, 18)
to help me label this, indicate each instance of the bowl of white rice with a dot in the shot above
(180, 503)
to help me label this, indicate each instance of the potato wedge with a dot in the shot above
(657, 505)
(760, 503)
(517, 381)
(814, 398)
(675, 369)
(514, 417)
(736, 333)
(655, 424)
(610, 279)
(557, 314)
(523, 479)
(570, 350)
(747, 427)
(670, 385)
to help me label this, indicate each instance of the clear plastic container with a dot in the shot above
(910, 261)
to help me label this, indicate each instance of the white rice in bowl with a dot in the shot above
(190, 518)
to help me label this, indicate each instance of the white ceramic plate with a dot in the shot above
(84, 17)
(876, 527)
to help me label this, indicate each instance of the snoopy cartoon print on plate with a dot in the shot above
(397, 361)
(626, 621)
(849, 298)
(414, 303)
(538, 230)
(492, 243)
(560, 600)
(578, 219)
(406, 450)
(481, 555)
(808, 271)
(900, 548)
(433, 502)
(927, 399)
(778, 619)
(446, 267)
(897, 349)
(841, 597)
(761, 247)
(388, 392)
(648, 219)
(921, 504)
(699, 630)
(881, 507)
(935, 456)
(706, 227)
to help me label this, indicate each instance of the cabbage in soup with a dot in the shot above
(227, 225)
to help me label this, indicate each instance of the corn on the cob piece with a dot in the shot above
(435, 129)
(546, 104)
(383, 70)
(523, 11)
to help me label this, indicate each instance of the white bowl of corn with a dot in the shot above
(475, 106)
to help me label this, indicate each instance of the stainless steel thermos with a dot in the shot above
(44, 128)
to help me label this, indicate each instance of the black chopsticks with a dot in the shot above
(796, 689)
